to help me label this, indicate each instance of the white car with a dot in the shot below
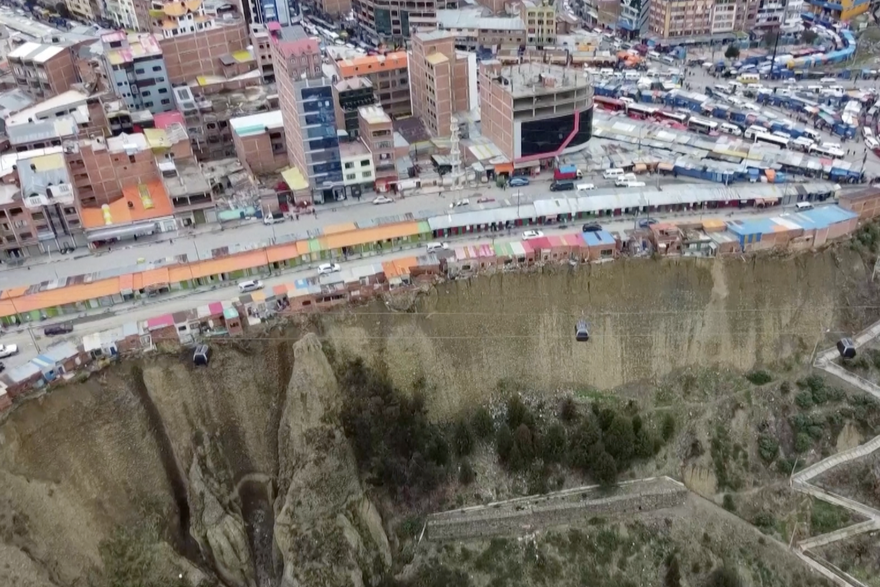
(530, 234)
(7, 350)
(459, 203)
(585, 187)
(327, 268)
(382, 200)
(867, 132)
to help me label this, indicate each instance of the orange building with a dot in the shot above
(389, 76)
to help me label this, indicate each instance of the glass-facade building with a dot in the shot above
(317, 123)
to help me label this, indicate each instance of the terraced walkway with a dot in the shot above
(825, 361)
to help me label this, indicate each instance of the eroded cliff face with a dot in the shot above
(245, 462)
(648, 317)
(246, 466)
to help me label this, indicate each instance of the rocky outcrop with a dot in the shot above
(326, 529)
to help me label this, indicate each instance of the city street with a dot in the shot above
(254, 231)
(103, 319)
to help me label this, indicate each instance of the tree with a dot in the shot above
(523, 448)
(643, 446)
(504, 442)
(553, 444)
(482, 423)
(568, 411)
(584, 438)
(771, 37)
(463, 439)
(466, 474)
(604, 468)
(518, 413)
(619, 439)
(668, 427)
(673, 574)
(724, 577)
(809, 36)
(732, 52)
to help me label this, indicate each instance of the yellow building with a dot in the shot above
(540, 20)
(84, 9)
(839, 11)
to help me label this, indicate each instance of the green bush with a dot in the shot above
(764, 521)
(727, 503)
(785, 387)
(619, 439)
(553, 444)
(724, 577)
(826, 517)
(759, 377)
(482, 423)
(518, 413)
(673, 574)
(568, 411)
(804, 400)
(802, 442)
(768, 448)
(604, 468)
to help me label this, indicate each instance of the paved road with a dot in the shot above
(254, 231)
(118, 315)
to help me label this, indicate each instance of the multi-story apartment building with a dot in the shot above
(534, 111)
(390, 78)
(671, 19)
(259, 142)
(393, 20)
(132, 15)
(266, 11)
(358, 170)
(473, 30)
(306, 99)
(136, 71)
(332, 9)
(44, 69)
(377, 133)
(633, 16)
(86, 10)
(440, 80)
(770, 14)
(262, 49)
(348, 96)
(540, 20)
(221, 50)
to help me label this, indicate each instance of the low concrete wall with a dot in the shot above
(524, 518)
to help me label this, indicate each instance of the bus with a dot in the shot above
(640, 111)
(754, 131)
(608, 103)
(702, 125)
(774, 140)
(673, 116)
(831, 152)
(730, 129)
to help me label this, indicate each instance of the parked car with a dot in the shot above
(592, 227)
(250, 285)
(273, 217)
(459, 203)
(382, 200)
(485, 200)
(530, 234)
(58, 329)
(437, 246)
(646, 222)
(7, 350)
(326, 268)
(518, 181)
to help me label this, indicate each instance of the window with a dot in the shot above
(163, 90)
(367, 174)
(365, 162)
(166, 101)
(157, 68)
(131, 159)
(351, 176)
(349, 165)
(139, 70)
(145, 93)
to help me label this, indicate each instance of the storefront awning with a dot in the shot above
(121, 231)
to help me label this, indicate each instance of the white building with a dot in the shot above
(358, 171)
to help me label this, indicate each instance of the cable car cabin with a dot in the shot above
(202, 355)
(847, 348)
(582, 331)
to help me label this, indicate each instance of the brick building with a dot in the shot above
(212, 52)
(45, 69)
(440, 80)
(389, 76)
(259, 142)
(377, 133)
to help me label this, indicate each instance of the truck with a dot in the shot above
(567, 172)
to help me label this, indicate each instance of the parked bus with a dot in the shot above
(702, 125)
(831, 152)
(673, 116)
(772, 140)
(640, 111)
(754, 131)
(608, 103)
(730, 129)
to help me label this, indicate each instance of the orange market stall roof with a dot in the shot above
(229, 264)
(81, 292)
(369, 235)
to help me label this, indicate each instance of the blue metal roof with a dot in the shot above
(594, 239)
(822, 217)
